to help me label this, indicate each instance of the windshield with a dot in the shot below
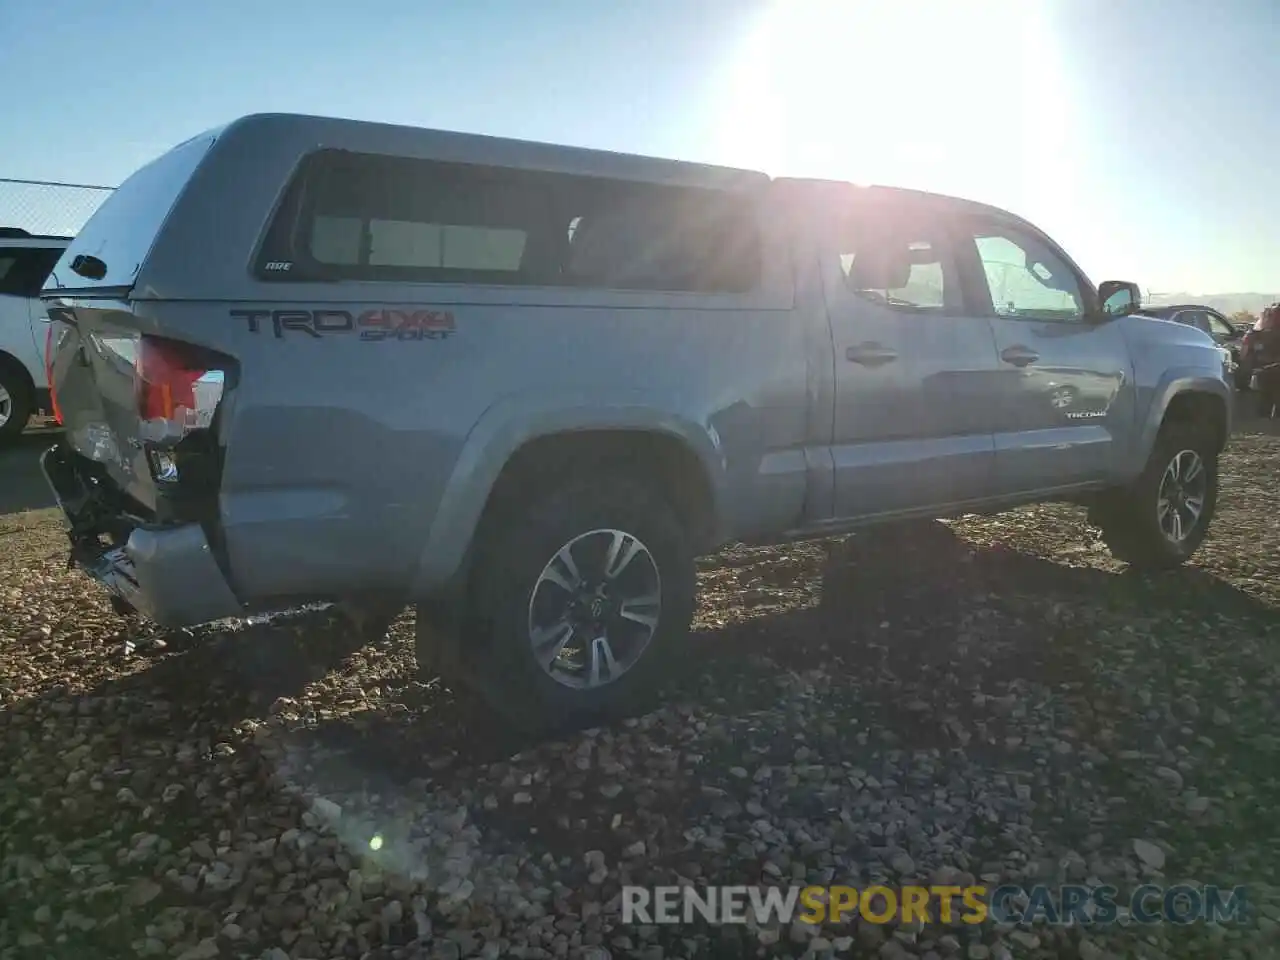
(122, 230)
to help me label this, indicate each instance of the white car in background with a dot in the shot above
(25, 263)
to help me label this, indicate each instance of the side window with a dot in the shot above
(388, 218)
(1025, 278)
(367, 217)
(23, 271)
(8, 272)
(1194, 318)
(898, 264)
(1219, 327)
(626, 236)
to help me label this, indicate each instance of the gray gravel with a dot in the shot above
(990, 699)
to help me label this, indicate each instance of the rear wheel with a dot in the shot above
(580, 606)
(15, 402)
(1162, 518)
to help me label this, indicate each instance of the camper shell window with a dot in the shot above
(351, 216)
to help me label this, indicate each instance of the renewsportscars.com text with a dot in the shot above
(1066, 904)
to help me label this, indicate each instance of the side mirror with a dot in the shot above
(1119, 298)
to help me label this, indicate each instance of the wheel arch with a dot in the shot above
(1203, 409)
(1185, 395)
(521, 445)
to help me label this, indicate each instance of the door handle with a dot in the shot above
(1019, 356)
(871, 354)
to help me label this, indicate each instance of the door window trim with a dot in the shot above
(1214, 315)
(1188, 317)
(977, 291)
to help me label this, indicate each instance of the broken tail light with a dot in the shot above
(179, 388)
(48, 371)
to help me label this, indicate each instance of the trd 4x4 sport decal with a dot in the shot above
(382, 323)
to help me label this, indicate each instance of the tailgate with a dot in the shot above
(140, 406)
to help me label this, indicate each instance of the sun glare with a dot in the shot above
(949, 96)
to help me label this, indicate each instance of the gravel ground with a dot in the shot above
(992, 697)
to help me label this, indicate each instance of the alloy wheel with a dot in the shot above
(594, 608)
(1180, 502)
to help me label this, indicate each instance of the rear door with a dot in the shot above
(1064, 393)
(23, 270)
(911, 369)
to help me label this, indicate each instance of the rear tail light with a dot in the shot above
(179, 388)
(166, 379)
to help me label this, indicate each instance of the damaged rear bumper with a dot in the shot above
(167, 573)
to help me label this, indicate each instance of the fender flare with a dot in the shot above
(516, 420)
(1173, 383)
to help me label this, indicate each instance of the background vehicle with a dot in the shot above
(25, 262)
(1224, 333)
(525, 386)
(1260, 345)
(1262, 349)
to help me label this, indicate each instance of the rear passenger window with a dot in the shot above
(895, 263)
(644, 237)
(365, 217)
(23, 271)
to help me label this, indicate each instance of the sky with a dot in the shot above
(1143, 135)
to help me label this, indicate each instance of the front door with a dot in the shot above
(910, 368)
(1064, 397)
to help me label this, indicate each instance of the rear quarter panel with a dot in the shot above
(17, 338)
(351, 463)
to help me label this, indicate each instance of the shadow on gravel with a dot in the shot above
(916, 615)
(906, 613)
(908, 627)
(913, 590)
(218, 677)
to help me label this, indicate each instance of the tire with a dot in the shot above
(519, 592)
(1133, 525)
(16, 404)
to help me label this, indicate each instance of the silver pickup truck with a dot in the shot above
(524, 386)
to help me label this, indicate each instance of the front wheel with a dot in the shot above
(582, 605)
(1162, 518)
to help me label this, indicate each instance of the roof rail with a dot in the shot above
(8, 233)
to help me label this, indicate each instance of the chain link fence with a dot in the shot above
(47, 206)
